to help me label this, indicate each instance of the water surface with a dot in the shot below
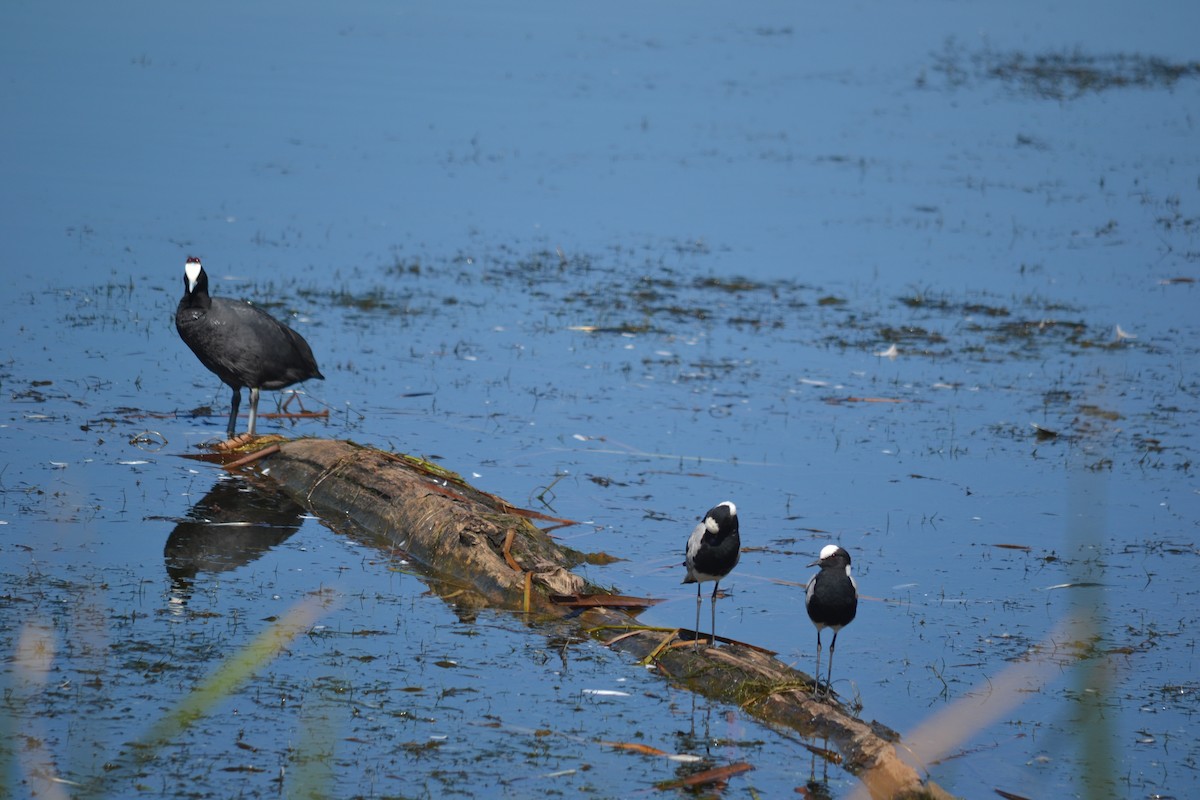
(619, 264)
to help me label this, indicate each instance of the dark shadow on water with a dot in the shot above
(234, 524)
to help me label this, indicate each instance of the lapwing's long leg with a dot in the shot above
(713, 603)
(829, 677)
(817, 676)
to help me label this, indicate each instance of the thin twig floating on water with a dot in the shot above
(715, 775)
(295, 414)
(835, 401)
(634, 747)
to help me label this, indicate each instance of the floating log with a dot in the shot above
(480, 551)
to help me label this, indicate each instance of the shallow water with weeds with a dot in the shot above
(924, 287)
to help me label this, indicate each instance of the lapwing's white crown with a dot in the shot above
(828, 550)
(732, 507)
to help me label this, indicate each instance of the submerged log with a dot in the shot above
(480, 551)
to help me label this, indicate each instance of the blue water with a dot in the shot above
(696, 182)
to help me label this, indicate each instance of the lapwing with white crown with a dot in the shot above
(831, 600)
(712, 553)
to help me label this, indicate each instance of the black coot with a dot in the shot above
(241, 344)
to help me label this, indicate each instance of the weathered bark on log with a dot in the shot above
(480, 551)
(456, 532)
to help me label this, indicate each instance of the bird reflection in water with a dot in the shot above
(232, 525)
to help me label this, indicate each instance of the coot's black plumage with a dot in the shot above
(831, 600)
(241, 344)
(711, 554)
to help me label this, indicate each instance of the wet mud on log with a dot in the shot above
(483, 552)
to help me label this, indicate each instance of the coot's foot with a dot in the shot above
(235, 442)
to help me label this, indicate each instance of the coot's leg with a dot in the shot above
(253, 409)
(237, 401)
